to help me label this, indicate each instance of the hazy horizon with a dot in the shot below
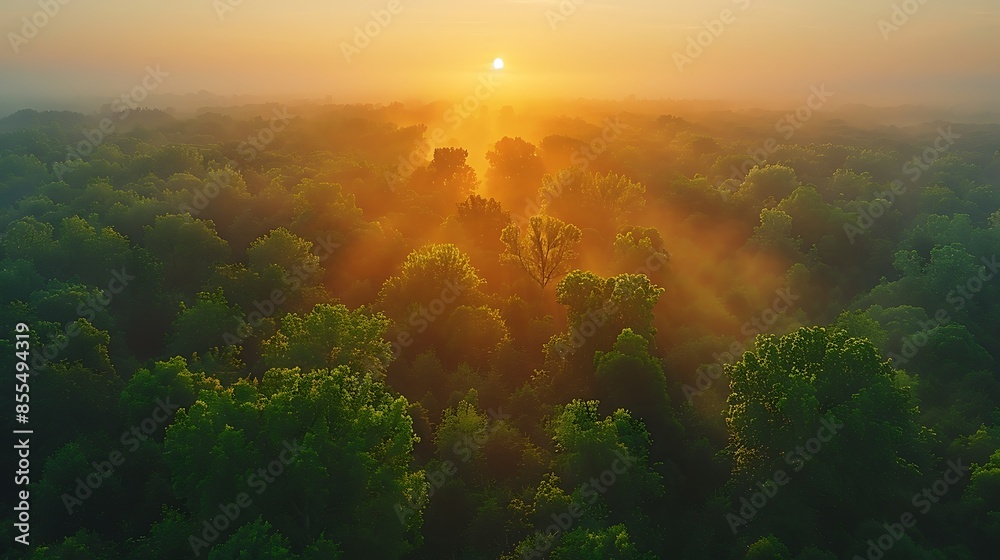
(737, 51)
(501, 279)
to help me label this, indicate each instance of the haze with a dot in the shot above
(771, 52)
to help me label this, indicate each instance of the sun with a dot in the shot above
(498, 64)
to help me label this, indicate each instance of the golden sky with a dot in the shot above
(943, 51)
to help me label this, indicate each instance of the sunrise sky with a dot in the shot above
(770, 49)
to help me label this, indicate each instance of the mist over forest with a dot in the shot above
(628, 330)
(500, 280)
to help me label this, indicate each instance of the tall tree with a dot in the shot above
(545, 251)
(433, 273)
(515, 173)
(819, 401)
(187, 247)
(451, 175)
(329, 336)
(482, 220)
(594, 200)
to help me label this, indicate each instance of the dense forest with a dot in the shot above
(605, 332)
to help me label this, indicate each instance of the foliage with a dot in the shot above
(330, 328)
(545, 250)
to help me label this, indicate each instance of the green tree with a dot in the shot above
(613, 543)
(630, 378)
(860, 324)
(433, 273)
(604, 202)
(323, 209)
(460, 425)
(450, 175)
(254, 541)
(545, 251)
(994, 219)
(819, 384)
(327, 337)
(766, 186)
(285, 250)
(608, 304)
(211, 322)
(76, 395)
(586, 445)
(616, 447)
(167, 538)
(638, 247)
(84, 545)
(187, 247)
(34, 241)
(483, 220)
(89, 346)
(980, 500)
(18, 279)
(768, 548)
(775, 233)
(515, 172)
(89, 253)
(20, 175)
(310, 428)
(475, 335)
